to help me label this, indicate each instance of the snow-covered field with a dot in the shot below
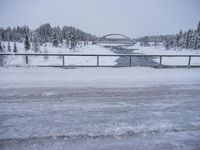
(55, 60)
(98, 49)
(160, 50)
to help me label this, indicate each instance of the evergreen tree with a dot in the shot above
(44, 33)
(70, 39)
(1, 56)
(187, 40)
(146, 41)
(167, 44)
(26, 43)
(45, 51)
(178, 41)
(61, 40)
(55, 40)
(35, 45)
(181, 39)
(1, 48)
(4, 47)
(192, 39)
(141, 43)
(155, 43)
(198, 28)
(73, 40)
(198, 37)
(196, 42)
(15, 48)
(9, 49)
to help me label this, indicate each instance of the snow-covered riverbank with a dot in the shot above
(54, 60)
(160, 50)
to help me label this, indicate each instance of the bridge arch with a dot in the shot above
(113, 34)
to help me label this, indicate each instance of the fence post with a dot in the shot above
(160, 61)
(26, 59)
(130, 61)
(189, 62)
(97, 60)
(63, 61)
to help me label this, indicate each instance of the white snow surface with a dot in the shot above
(160, 50)
(99, 108)
(62, 49)
(98, 49)
(95, 77)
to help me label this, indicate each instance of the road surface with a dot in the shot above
(153, 118)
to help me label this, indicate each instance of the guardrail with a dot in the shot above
(130, 56)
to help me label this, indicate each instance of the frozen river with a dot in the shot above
(155, 117)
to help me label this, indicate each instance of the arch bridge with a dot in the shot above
(99, 40)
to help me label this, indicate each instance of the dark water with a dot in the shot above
(136, 61)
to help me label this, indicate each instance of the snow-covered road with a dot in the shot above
(123, 118)
(124, 108)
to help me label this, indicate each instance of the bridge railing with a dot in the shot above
(98, 56)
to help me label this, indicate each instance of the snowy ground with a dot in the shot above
(95, 77)
(99, 108)
(160, 50)
(100, 49)
(54, 60)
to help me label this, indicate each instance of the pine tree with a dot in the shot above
(26, 43)
(146, 41)
(70, 40)
(4, 47)
(67, 42)
(193, 39)
(45, 51)
(15, 48)
(181, 40)
(1, 48)
(198, 28)
(167, 44)
(61, 40)
(178, 42)
(9, 49)
(155, 43)
(35, 45)
(188, 39)
(185, 40)
(55, 40)
(1, 56)
(196, 42)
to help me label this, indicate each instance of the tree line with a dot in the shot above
(184, 39)
(68, 35)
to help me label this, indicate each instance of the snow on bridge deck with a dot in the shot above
(95, 77)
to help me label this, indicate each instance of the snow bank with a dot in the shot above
(95, 77)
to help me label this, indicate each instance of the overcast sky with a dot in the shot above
(130, 17)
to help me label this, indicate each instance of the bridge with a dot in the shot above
(125, 40)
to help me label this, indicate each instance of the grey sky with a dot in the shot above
(130, 17)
